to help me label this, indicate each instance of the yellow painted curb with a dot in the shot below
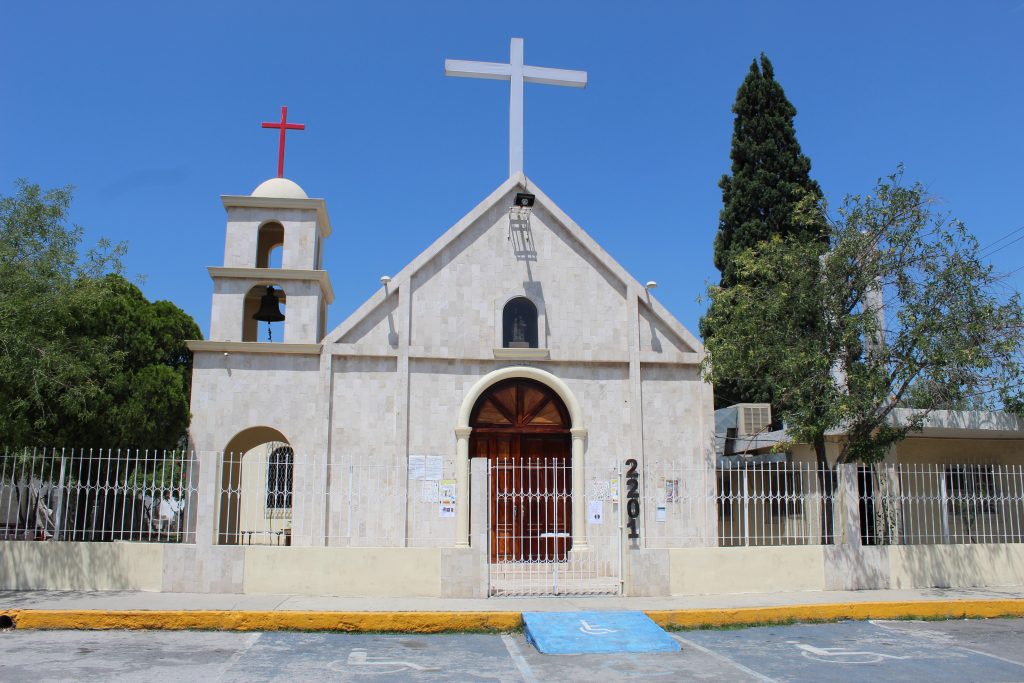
(225, 620)
(954, 609)
(436, 622)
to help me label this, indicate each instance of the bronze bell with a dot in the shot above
(270, 308)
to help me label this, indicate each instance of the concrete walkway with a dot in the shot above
(137, 609)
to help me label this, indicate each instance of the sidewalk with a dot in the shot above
(136, 609)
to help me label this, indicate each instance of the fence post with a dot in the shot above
(849, 503)
(60, 499)
(943, 502)
(209, 506)
(746, 506)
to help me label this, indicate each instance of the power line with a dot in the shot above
(996, 251)
(994, 243)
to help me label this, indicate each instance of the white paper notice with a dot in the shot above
(599, 489)
(595, 512)
(429, 492)
(433, 467)
(659, 513)
(417, 463)
(446, 504)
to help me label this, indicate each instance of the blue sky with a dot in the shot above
(153, 110)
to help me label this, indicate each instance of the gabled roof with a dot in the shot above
(519, 180)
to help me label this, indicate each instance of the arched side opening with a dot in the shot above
(523, 428)
(255, 501)
(269, 245)
(252, 329)
(519, 324)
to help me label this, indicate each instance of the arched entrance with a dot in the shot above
(255, 501)
(524, 429)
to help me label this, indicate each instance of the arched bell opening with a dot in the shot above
(255, 503)
(524, 429)
(270, 245)
(264, 314)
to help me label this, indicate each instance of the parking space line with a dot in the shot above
(723, 658)
(235, 658)
(989, 654)
(517, 658)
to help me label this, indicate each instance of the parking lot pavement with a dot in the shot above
(938, 652)
(849, 651)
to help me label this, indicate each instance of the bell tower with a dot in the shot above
(273, 250)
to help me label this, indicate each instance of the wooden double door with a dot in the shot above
(522, 428)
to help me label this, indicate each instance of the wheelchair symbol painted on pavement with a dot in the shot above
(358, 658)
(839, 655)
(595, 630)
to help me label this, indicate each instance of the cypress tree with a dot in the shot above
(770, 175)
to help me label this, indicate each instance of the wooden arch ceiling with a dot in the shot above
(520, 405)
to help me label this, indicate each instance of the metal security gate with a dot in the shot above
(531, 536)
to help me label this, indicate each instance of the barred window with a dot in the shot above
(279, 478)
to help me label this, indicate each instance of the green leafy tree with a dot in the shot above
(46, 375)
(144, 399)
(897, 309)
(770, 176)
(85, 359)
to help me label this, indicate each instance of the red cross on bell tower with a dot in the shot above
(284, 126)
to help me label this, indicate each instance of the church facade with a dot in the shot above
(489, 394)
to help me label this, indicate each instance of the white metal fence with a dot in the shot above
(531, 544)
(97, 495)
(913, 504)
(274, 496)
(776, 503)
(738, 504)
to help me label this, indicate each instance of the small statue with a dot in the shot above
(519, 329)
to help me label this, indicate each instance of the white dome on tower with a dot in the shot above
(280, 188)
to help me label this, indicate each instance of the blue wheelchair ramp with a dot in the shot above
(577, 633)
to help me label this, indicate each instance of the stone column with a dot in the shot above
(207, 510)
(847, 504)
(579, 513)
(462, 487)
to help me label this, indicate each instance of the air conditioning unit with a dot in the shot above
(753, 418)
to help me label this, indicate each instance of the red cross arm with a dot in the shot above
(283, 126)
(289, 126)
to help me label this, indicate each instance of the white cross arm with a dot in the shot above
(548, 76)
(465, 69)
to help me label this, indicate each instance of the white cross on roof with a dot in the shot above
(516, 73)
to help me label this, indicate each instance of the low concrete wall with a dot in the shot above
(428, 572)
(843, 567)
(26, 565)
(190, 568)
(370, 572)
(956, 566)
(29, 565)
(746, 570)
(855, 567)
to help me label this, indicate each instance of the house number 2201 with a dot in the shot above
(632, 498)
